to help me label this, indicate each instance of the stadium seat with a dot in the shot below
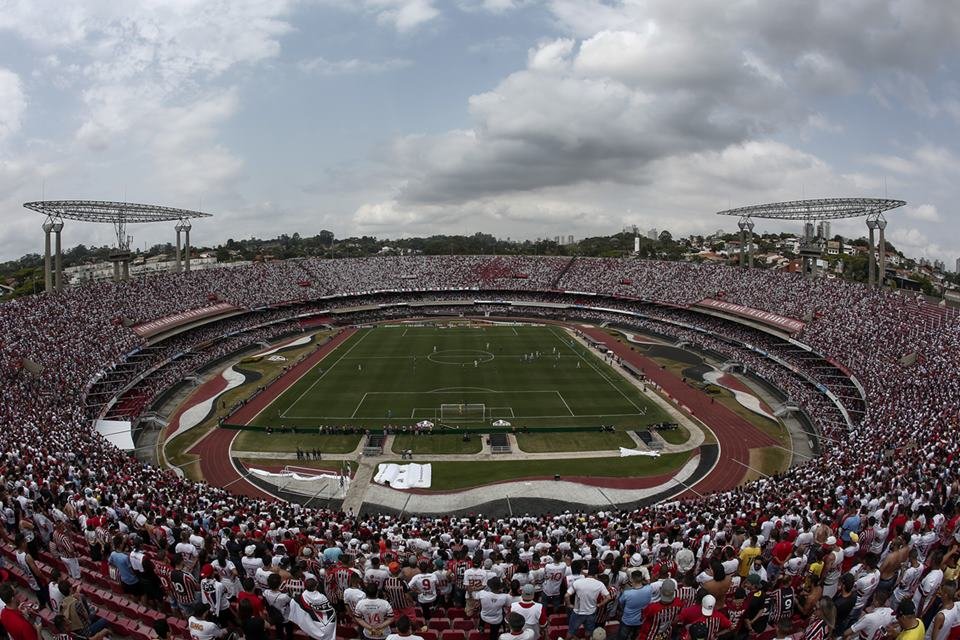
(556, 632)
(439, 624)
(452, 634)
(464, 624)
(557, 619)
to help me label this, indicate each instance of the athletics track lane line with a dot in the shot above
(735, 435)
(214, 449)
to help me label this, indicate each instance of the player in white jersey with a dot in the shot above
(373, 614)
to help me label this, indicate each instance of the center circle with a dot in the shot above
(460, 356)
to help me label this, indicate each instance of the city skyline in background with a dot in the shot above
(401, 118)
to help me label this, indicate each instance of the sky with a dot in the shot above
(518, 118)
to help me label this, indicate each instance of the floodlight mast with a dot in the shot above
(119, 215)
(823, 209)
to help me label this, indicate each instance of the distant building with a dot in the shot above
(823, 229)
(958, 265)
(652, 234)
(570, 239)
(939, 265)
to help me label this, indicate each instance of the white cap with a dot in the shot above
(250, 549)
(831, 541)
(707, 605)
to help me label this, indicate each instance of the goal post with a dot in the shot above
(462, 411)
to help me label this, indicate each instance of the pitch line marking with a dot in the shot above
(600, 373)
(359, 404)
(564, 401)
(433, 409)
(322, 375)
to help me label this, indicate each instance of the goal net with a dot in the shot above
(463, 411)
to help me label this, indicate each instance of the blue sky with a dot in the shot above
(520, 118)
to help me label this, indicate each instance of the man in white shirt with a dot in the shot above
(373, 614)
(425, 585)
(518, 630)
(492, 603)
(554, 577)
(474, 580)
(867, 581)
(534, 613)
(949, 615)
(588, 594)
(201, 627)
(869, 624)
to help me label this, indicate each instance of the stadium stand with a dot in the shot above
(862, 536)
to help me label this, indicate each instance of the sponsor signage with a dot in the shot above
(154, 327)
(791, 325)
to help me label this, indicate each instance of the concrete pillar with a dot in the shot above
(881, 252)
(58, 258)
(749, 243)
(179, 265)
(116, 271)
(125, 270)
(186, 248)
(871, 265)
(47, 267)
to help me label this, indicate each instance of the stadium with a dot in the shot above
(479, 320)
(647, 414)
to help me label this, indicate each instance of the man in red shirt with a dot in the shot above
(12, 619)
(706, 614)
(659, 617)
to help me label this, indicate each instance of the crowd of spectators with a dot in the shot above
(863, 537)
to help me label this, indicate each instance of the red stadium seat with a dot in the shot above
(439, 624)
(465, 624)
(452, 634)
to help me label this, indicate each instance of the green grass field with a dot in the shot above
(404, 374)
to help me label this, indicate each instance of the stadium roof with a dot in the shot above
(113, 212)
(822, 209)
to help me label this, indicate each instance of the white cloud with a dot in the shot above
(13, 102)
(924, 212)
(351, 66)
(403, 15)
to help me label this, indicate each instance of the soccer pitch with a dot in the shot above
(462, 376)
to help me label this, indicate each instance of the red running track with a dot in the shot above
(214, 449)
(735, 434)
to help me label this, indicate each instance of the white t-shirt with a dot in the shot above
(425, 586)
(553, 575)
(374, 612)
(864, 588)
(868, 624)
(352, 596)
(475, 579)
(928, 588)
(531, 612)
(203, 630)
(587, 592)
(492, 605)
(525, 634)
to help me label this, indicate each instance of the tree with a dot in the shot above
(666, 237)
